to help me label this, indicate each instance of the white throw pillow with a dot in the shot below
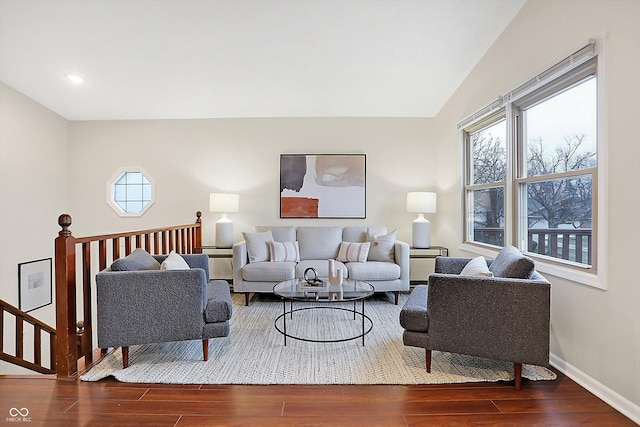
(476, 267)
(382, 247)
(174, 262)
(258, 245)
(353, 252)
(284, 251)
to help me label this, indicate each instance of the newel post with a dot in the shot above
(65, 264)
(198, 237)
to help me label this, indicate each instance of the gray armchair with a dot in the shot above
(151, 305)
(501, 318)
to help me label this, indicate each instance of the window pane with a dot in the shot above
(134, 192)
(559, 216)
(560, 132)
(488, 215)
(134, 206)
(134, 177)
(489, 150)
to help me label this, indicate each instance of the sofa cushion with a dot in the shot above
(269, 271)
(373, 270)
(219, 307)
(319, 242)
(510, 263)
(174, 262)
(258, 245)
(382, 246)
(139, 259)
(353, 252)
(476, 267)
(284, 251)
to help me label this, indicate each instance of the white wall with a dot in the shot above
(597, 333)
(33, 192)
(188, 159)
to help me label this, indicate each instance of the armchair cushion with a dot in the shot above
(174, 262)
(511, 263)
(137, 260)
(476, 267)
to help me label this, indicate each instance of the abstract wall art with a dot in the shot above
(322, 186)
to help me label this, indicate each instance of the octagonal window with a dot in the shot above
(131, 192)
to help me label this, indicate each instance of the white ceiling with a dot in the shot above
(148, 59)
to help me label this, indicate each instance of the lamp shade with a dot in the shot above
(421, 202)
(224, 202)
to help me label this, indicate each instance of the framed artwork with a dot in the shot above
(34, 281)
(322, 186)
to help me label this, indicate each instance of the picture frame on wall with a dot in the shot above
(35, 284)
(323, 186)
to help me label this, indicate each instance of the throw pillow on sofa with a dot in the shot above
(258, 245)
(382, 247)
(353, 252)
(139, 259)
(476, 267)
(284, 251)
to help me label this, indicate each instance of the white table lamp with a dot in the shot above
(421, 202)
(224, 202)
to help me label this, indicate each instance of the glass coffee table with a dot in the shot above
(325, 298)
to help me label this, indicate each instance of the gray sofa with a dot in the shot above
(504, 317)
(142, 304)
(386, 266)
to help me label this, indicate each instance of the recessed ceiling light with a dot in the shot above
(75, 79)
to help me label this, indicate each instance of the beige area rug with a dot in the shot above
(254, 353)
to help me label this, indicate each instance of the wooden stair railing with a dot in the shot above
(39, 328)
(75, 336)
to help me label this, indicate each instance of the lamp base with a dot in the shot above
(420, 232)
(224, 233)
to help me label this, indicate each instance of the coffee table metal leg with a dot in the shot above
(362, 322)
(284, 319)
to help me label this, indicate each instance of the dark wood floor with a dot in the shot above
(53, 402)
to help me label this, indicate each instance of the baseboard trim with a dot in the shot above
(620, 403)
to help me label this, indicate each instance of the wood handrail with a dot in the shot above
(39, 328)
(75, 336)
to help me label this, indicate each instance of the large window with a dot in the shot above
(531, 169)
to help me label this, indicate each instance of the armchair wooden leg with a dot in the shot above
(517, 371)
(205, 349)
(396, 294)
(125, 357)
(428, 359)
(246, 298)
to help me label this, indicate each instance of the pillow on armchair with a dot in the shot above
(476, 267)
(512, 264)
